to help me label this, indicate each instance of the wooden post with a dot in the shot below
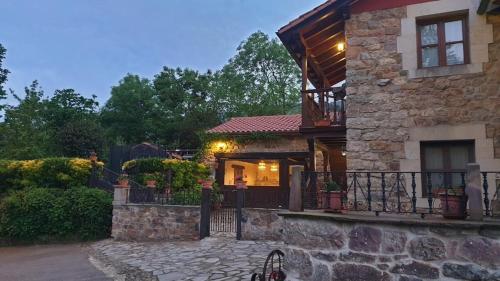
(240, 202)
(473, 191)
(305, 114)
(295, 204)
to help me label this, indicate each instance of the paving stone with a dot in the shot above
(220, 258)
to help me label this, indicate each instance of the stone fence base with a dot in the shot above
(261, 224)
(335, 247)
(141, 222)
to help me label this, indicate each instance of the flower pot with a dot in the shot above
(123, 182)
(453, 206)
(322, 123)
(322, 200)
(335, 202)
(151, 183)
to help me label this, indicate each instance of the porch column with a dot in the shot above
(296, 191)
(474, 192)
(304, 85)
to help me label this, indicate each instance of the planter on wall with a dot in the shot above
(455, 208)
(331, 200)
(151, 183)
(322, 123)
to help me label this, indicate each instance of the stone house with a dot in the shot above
(422, 84)
(406, 85)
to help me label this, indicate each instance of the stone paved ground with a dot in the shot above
(218, 258)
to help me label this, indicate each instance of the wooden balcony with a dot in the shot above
(324, 112)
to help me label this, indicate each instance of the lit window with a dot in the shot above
(254, 172)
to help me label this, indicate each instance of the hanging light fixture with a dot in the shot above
(344, 152)
(262, 165)
(274, 167)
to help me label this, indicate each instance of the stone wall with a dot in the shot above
(384, 104)
(261, 224)
(326, 248)
(138, 222)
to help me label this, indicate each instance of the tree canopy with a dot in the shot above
(171, 109)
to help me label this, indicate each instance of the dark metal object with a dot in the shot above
(205, 213)
(276, 272)
(486, 199)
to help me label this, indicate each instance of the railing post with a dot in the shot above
(383, 193)
(429, 191)
(296, 204)
(398, 187)
(486, 197)
(369, 186)
(473, 191)
(414, 192)
(355, 178)
(206, 193)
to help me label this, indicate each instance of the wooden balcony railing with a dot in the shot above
(323, 107)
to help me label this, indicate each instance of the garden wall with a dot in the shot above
(142, 222)
(261, 224)
(335, 247)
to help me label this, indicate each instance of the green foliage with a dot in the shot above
(185, 174)
(49, 214)
(332, 186)
(65, 124)
(127, 114)
(3, 75)
(45, 173)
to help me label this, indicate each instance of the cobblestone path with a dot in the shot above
(210, 259)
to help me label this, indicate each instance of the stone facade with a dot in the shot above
(135, 222)
(326, 249)
(261, 224)
(382, 116)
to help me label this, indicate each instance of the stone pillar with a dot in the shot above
(296, 190)
(473, 191)
(120, 196)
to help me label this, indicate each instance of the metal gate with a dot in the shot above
(218, 215)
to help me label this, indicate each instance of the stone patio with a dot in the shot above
(219, 258)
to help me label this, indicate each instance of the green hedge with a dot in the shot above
(46, 214)
(45, 173)
(185, 174)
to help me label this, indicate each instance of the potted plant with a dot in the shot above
(453, 203)
(325, 122)
(150, 180)
(123, 180)
(332, 196)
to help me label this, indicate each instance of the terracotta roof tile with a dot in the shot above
(260, 124)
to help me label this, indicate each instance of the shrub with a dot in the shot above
(185, 174)
(38, 214)
(45, 173)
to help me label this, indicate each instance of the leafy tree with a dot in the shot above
(3, 75)
(261, 79)
(127, 114)
(73, 123)
(24, 135)
(183, 107)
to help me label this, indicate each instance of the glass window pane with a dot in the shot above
(459, 156)
(254, 172)
(430, 57)
(455, 54)
(429, 34)
(433, 157)
(453, 31)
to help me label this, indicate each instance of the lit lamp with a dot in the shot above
(221, 146)
(344, 152)
(340, 46)
(262, 165)
(274, 167)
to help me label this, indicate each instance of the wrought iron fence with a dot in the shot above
(164, 197)
(393, 192)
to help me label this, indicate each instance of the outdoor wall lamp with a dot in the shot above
(340, 46)
(221, 146)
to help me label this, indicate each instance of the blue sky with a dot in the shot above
(89, 45)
